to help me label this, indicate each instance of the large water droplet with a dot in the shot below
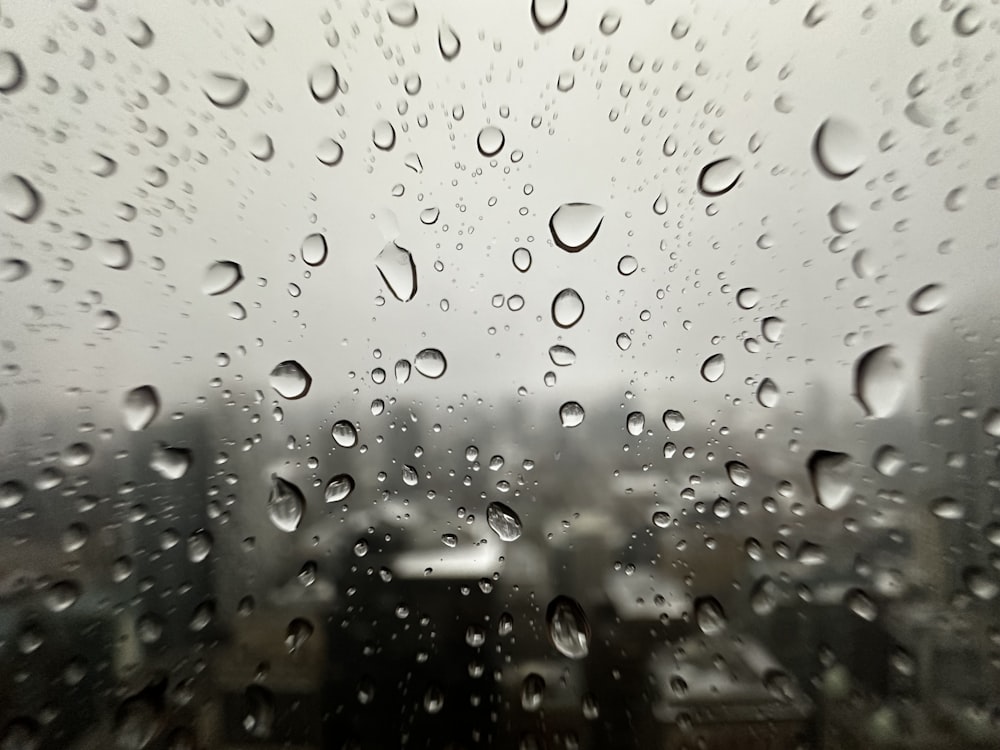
(20, 198)
(138, 720)
(567, 308)
(290, 379)
(260, 30)
(610, 22)
(829, 473)
(860, 604)
(838, 148)
(384, 135)
(575, 225)
(709, 616)
(329, 152)
(660, 205)
(561, 356)
(298, 632)
(141, 406)
(399, 272)
(505, 523)
(11, 72)
(878, 381)
(719, 177)
(323, 82)
(571, 414)
(532, 692)
(261, 147)
(259, 711)
(547, 14)
(772, 329)
(12, 492)
(339, 488)
(170, 462)
(490, 141)
(116, 254)
(928, 299)
(199, 546)
(430, 363)
(313, 249)
(713, 368)
(673, 420)
(221, 277)
(521, 259)
(888, 461)
(948, 508)
(344, 433)
(768, 394)
(224, 90)
(844, 218)
(402, 13)
(448, 42)
(286, 505)
(568, 628)
(739, 473)
(635, 423)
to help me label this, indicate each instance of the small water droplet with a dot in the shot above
(719, 177)
(397, 269)
(344, 434)
(430, 363)
(199, 546)
(14, 269)
(402, 371)
(567, 308)
(339, 488)
(713, 368)
(838, 148)
(285, 505)
(20, 198)
(116, 254)
(12, 74)
(448, 42)
(878, 380)
(979, 582)
(928, 299)
(225, 91)
(490, 141)
(505, 523)
(290, 379)
(661, 519)
(221, 277)
(571, 414)
(313, 249)
(829, 474)
(140, 407)
(709, 616)
(575, 225)
(323, 82)
(547, 14)
(635, 423)
(170, 462)
(568, 628)
(261, 147)
(521, 259)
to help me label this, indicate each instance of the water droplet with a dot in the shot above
(768, 394)
(199, 546)
(138, 720)
(980, 583)
(261, 147)
(11, 72)
(610, 22)
(532, 692)
(713, 368)
(967, 21)
(928, 299)
(627, 265)
(384, 135)
(409, 475)
(298, 632)
(747, 298)
(329, 152)
(21, 734)
(221, 277)
(258, 712)
(429, 216)
(14, 269)
(878, 380)
(313, 249)
(739, 473)
(339, 488)
(772, 328)
(141, 406)
(448, 42)
(561, 356)
(575, 225)
(59, 597)
(719, 177)
(225, 91)
(490, 141)
(324, 82)
(505, 523)
(829, 473)
(430, 363)
(991, 422)
(402, 13)
(567, 308)
(623, 341)
(568, 629)
(709, 616)
(285, 505)
(635, 423)
(660, 205)
(116, 254)
(344, 434)
(547, 14)
(139, 33)
(260, 30)
(844, 218)
(521, 259)
(571, 414)
(888, 461)
(170, 462)
(433, 700)
(673, 420)
(12, 492)
(948, 508)
(398, 271)
(860, 604)
(838, 148)
(290, 379)
(20, 198)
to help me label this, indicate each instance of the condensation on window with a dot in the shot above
(534, 374)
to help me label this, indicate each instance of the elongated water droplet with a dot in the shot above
(225, 91)
(575, 225)
(948, 508)
(116, 254)
(521, 259)
(547, 14)
(259, 711)
(20, 198)
(928, 299)
(141, 406)
(768, 394)
(623, 341)
(313, 249)
(719, 177)
(838, 148)
(713, 368)
(290, 379)
(260, 30)
(329, 152)
(221, 277)
(571, 414)
(384, 135)
(635, 423)
(505, 523)
(12, 74)
(199, 546)
(397, 269)
(285, 505)
(344, 434)
(170, 462)
(490, 140)
(739, 473)
(433, 700)
(402, 13)
(429, 216)
(878, 381)
(298, 632)
(610, 22)
(660, 205)
(448, 42)
(532, 692)
(567, 308)
(14, 269)
(430, 363)
(709, 616)
(339, 488)
(561, 356)
(772, 329)
(261, 147)
(991, 422)
(324, 82)
(402, 371)
(829, 474)
(567, 626)
(860, 604)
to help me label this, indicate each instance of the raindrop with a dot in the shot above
(116, 254)
(532, 692)
(261, 147)
(398, 271)
(298, 632)
(448, 42)
(429, 216)
(878, 380)
(290, 379)
(888, 461)
(402, 13)
(285, 505)
(838, 148)
(410, 476)
(433, 700)
(661, 519)
(60, 596)
(199, 546)
(504, 521)
(339, 488)
(768, 394)
(747, 298)
(224, 90)
(635, 423)
(14, 269)
(547, 14)
(860, 604)
(323, 82)
(20, 198)
(991, 422)
(610, 22)
(259, 711)
(948, 508)
(21, 734)
(575, 225)
(571, 414)
(829, 474)
(739, 473)
(660, 205)
(521, 259)
(709, 616)
(11, 72)
(221, 277)
(329, 152)
(979, 582)
(567, 308)
(772, 328)
(490, 141)
(627, 265)
(140, 407)
(928, 299)
(567, 626)
(344, 434)
(713, 368)
(430, 363)
(313, 249)
(844, 218)
(967, 21)
(719, 177)
(561, 356)
(384, 135)
(673, 420)
(624, 341)
(260, 30)
(170, 462)
(139, 33)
